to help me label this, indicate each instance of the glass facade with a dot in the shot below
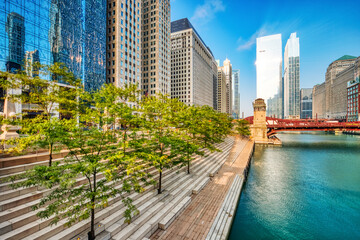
(306, 103)
(236, 94)
(49, 31)
(269, 73)
(292, 77)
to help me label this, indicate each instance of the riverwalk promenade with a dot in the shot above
(198, 218)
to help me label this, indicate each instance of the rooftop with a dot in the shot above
(345, 57)
(183, 24)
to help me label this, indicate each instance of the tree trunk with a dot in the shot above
(124, 139)
(160, 176)
(91, 234)
(50, 154)
(188, 159)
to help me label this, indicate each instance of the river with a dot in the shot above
(309, 188)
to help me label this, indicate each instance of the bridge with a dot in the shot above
(275, 125)
(263, 128)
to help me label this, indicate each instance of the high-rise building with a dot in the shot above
(269, 73)
(215, 83)
(236, 94)
(292, 78)
(124, 48)
(318, 104)
(192, 66)
(69, 31)
(335, 86)
(221, 91)
(306, 103)
(330, 99)
(47, 31)
(353, 95)
(227, 70)
(156, 48)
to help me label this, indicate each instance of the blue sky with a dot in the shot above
(327, 31)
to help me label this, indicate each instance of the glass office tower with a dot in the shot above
(292, 78)
(236, 94)
(269, 73)
(49, 31)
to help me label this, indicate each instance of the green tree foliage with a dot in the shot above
(95, 170)
(242, 127)
(159, 145)
(46, 103)
(189, 120)
(113, 139)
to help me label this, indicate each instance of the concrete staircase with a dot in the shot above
(18, 221)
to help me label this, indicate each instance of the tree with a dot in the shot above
(242, 127)
(46, 103)
(94, 154)
(189, 127)
(160, 146)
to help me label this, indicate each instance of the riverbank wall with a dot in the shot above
(220, 229)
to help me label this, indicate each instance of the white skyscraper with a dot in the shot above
(292, 78)
(269, 73)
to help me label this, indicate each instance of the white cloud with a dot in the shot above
(247, 44)
(207, 10)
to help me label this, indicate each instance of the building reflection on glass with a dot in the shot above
(47, 31)
(15, 28)
(31, 58)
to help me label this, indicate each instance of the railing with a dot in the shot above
(276, 125)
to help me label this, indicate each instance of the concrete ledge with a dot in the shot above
(222, 223)
(168, 219)
(199, 187)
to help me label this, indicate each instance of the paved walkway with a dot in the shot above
(197, 218)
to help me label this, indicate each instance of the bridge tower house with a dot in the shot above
(259, 129)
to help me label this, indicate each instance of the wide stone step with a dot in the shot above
(170, 217)
(174, 189)
(199, 187)
(73, 229)
(181, 193)
(22, 221)
(28, 159)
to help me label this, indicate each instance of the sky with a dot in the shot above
(327, 30)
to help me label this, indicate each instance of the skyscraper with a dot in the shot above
(47, 31)
(236, 94)
(227, 68)
(269, 73)
(192, 66)
(292, 78)
(156, 48)
(215, 83)
(124, 42)
(221, 91)
(69, 31)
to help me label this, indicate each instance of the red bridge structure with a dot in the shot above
(275, 125)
